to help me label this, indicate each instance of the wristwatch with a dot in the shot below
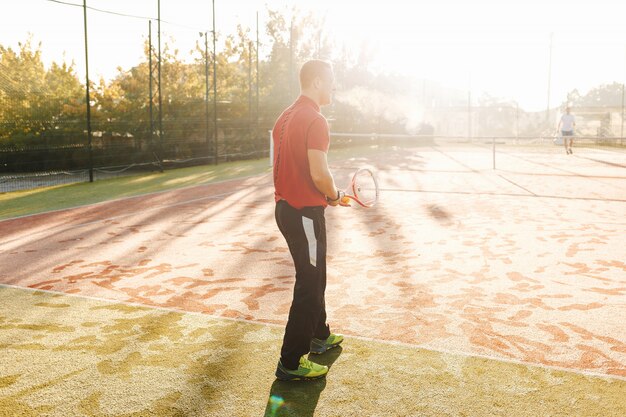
(340, 195)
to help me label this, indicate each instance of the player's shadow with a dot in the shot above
(299, 398)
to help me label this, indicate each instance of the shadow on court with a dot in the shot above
(438, 213)
(299, 398)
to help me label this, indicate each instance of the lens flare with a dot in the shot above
(276, 402)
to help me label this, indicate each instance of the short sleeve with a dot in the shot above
(318, 136)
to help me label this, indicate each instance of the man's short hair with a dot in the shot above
(313, 69)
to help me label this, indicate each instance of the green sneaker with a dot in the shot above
(306, 370)
(319, 346)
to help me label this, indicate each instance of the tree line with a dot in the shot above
(45, 107)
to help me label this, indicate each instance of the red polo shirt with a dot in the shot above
(299, 128)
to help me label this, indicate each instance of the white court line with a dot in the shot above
(397, 190)
(362, 338)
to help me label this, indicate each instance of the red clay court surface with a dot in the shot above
(524, 263)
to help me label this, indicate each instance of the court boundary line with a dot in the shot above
(471, 171)
(216, 196)
(517, 185)
(130, 197)
(362, 338)
(614, 164)
(512, 155)
(397, 190)
(483, 171)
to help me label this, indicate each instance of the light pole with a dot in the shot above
(256, 130)
(214, 86)
(549, 82)
(160, 92)
(206, 90)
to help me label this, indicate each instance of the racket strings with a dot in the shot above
(365, 187)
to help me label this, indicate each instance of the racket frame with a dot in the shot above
(351, 194)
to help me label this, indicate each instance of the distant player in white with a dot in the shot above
(566, 126)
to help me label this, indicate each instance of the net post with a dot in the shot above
(493, 141)
(621, 135)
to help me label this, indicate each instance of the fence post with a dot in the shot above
(88, 99)
(159, 89)
(215, 131)
(206, 96)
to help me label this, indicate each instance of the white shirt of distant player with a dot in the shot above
(567, 122)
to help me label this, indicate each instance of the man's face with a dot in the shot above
(326, 87)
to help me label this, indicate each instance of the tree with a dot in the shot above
(40, 103)
(605, 95)
(496, 116)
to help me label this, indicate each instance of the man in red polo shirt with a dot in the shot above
(304, 187)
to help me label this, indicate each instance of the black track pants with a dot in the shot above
(305, 233)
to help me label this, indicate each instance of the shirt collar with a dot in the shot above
(308, 101)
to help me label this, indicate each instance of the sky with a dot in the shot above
(499, 47)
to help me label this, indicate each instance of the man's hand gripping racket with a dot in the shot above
(363, 189)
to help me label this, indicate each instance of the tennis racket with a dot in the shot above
(363, 189)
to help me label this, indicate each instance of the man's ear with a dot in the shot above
(317, 83)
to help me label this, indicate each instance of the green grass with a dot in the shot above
(22, 203)
(74, 356)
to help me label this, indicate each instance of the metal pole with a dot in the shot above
(493, 141)
(469, 108)
(256, 130)
(159, 87)
(88, 98)
(622, 131)
(250, 83)
(469, 114)
(206, 93)
(150, 84)
(516, 123)
(549, 83)
(151, 81)
(214, 87)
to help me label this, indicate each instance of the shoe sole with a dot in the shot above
(325, 350)
(300, 378)
(289, 377)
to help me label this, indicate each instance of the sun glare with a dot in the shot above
(501, 48)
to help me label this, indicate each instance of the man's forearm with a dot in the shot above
(326, 185)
